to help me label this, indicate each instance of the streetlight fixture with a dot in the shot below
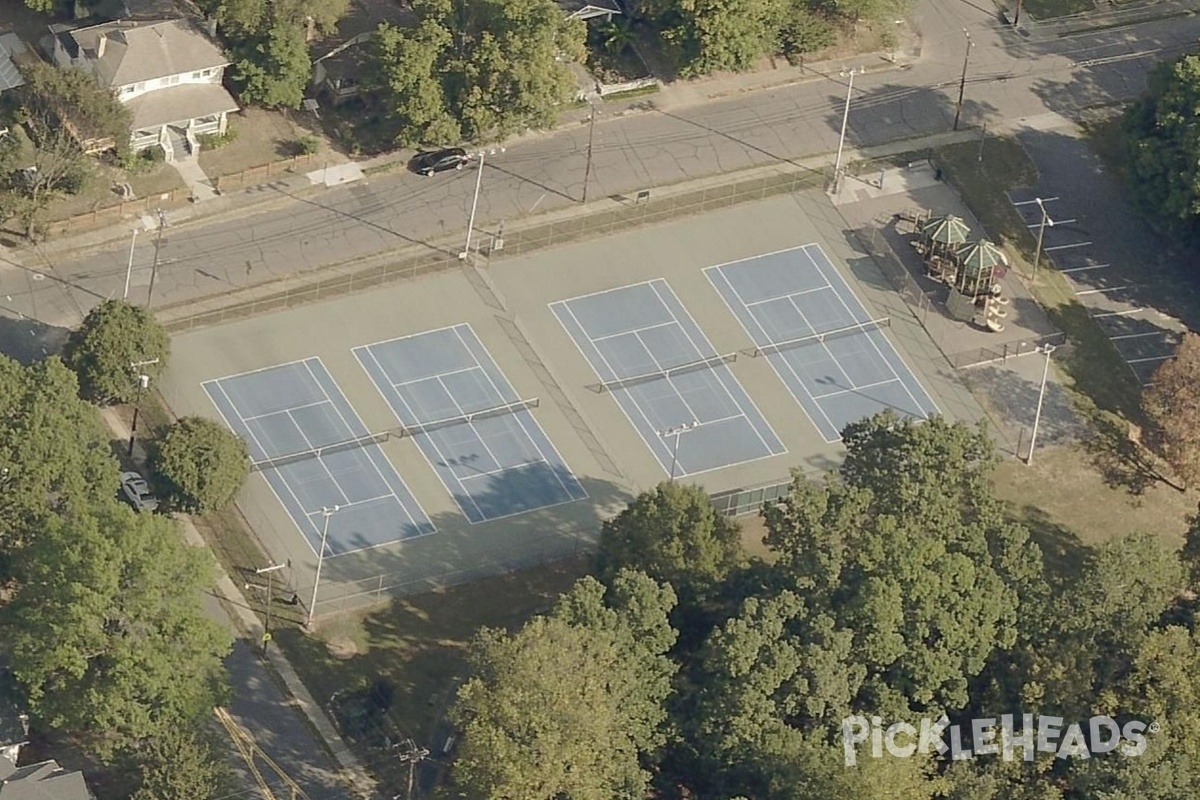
(270, 573)
(674, 433)
(837, 164)
(466, 252)
(129, 269)
(326, 512)
(962, 83)
(143, 383)
(1037, 254)
(1047, 349)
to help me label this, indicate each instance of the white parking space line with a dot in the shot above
(1031, 202)
(1065, 247)
(1145, 360)
(1135, 335)
(1056, 222)
(1084, 269)
(1105, 289)
(1124, 313)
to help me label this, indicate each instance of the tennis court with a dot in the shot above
(818, 337)
(674, 388)
(315, 453)
(479, 436)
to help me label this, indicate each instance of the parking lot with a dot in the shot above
(1143, 336)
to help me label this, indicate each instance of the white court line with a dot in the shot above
(670, 380)
(359, 354)
(789, 296)
(845, 305)
(350, 431)
(432, 377)
(774, 367)
(859, 388)
(1064, 247)
(369, 454)
(255, 371)
(285, 410)
(517, 398)
(271, 486)
(566, 306)
(1145, 360)
(1136, 335)
(1057, 222)
(716, 373)
(1031, 202)
(633, 330)
(824, 346)
(1124, 313)
(1084, 269)
(1105, 289)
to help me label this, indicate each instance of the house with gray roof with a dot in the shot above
(167, 71)
(44, 781)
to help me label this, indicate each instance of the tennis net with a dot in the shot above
(822, 337)
(319, 452)
(665, 374)
(466, 419)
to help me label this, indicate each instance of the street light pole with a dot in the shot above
(129, 269)
(270, 573)
(962, 83)
(1037, 254)
(674, 433)
(1048, 349)
(326, 512)
(466, 253)
(162, 223)
(587, 173)
(837, 164)
(143, 383)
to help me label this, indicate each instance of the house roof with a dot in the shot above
(10, 48)
(141, 51)
(179, 104)
(587, 9)
(45, 781)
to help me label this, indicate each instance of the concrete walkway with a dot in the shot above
(189, 169)
(235, 612)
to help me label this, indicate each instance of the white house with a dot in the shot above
(167, 72)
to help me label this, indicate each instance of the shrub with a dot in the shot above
(306, 146)
(215, 141)
(201, 465)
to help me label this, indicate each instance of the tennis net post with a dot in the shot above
(664, 374)
(822, 337)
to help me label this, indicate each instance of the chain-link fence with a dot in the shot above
(645, 208)
(1003, 352)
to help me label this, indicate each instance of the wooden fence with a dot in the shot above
(238, 179)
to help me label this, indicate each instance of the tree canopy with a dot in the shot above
(1172, 404)
(103, 350)
(486, 68)
(202, 463)
(105, 631)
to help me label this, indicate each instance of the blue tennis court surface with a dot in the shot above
(292, 409)
(642, 335)
(849, 374)
(495, 464)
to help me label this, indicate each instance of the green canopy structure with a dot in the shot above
(977, 263)
(945, 234)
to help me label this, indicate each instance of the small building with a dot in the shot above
(167, 71)
(44, 781)
(12, 50)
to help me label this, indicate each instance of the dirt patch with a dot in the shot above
(342, 648)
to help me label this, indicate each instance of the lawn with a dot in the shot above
(1093, 369)
(264, 137)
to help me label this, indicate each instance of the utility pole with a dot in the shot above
(674, 433)
(129, 269)
(1037, 254)
(587, 173)
(837, 164)
(1017, 16)
(466, 253)
(270, 573)
(326, 512)
(1048, 349)
(413, 755)
(982, 136)
(143, 383)
(962, 83)
(162, 223)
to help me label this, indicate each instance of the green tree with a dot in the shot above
(72, 97)
(202, 463)
(56, 166)
(1163, 163)
(178, 764)
(673, 534)
(407, 63)
(105, 631)
(54, 451)
(729, 35)
(1172, 404)
(571, 704)
(910, 551)
(274, 70)
(113, 337)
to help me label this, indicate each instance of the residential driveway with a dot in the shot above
(1114, 262)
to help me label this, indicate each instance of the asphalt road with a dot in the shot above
(1009, 79)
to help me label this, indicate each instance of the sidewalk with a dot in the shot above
(675, 96)
(252, 630)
